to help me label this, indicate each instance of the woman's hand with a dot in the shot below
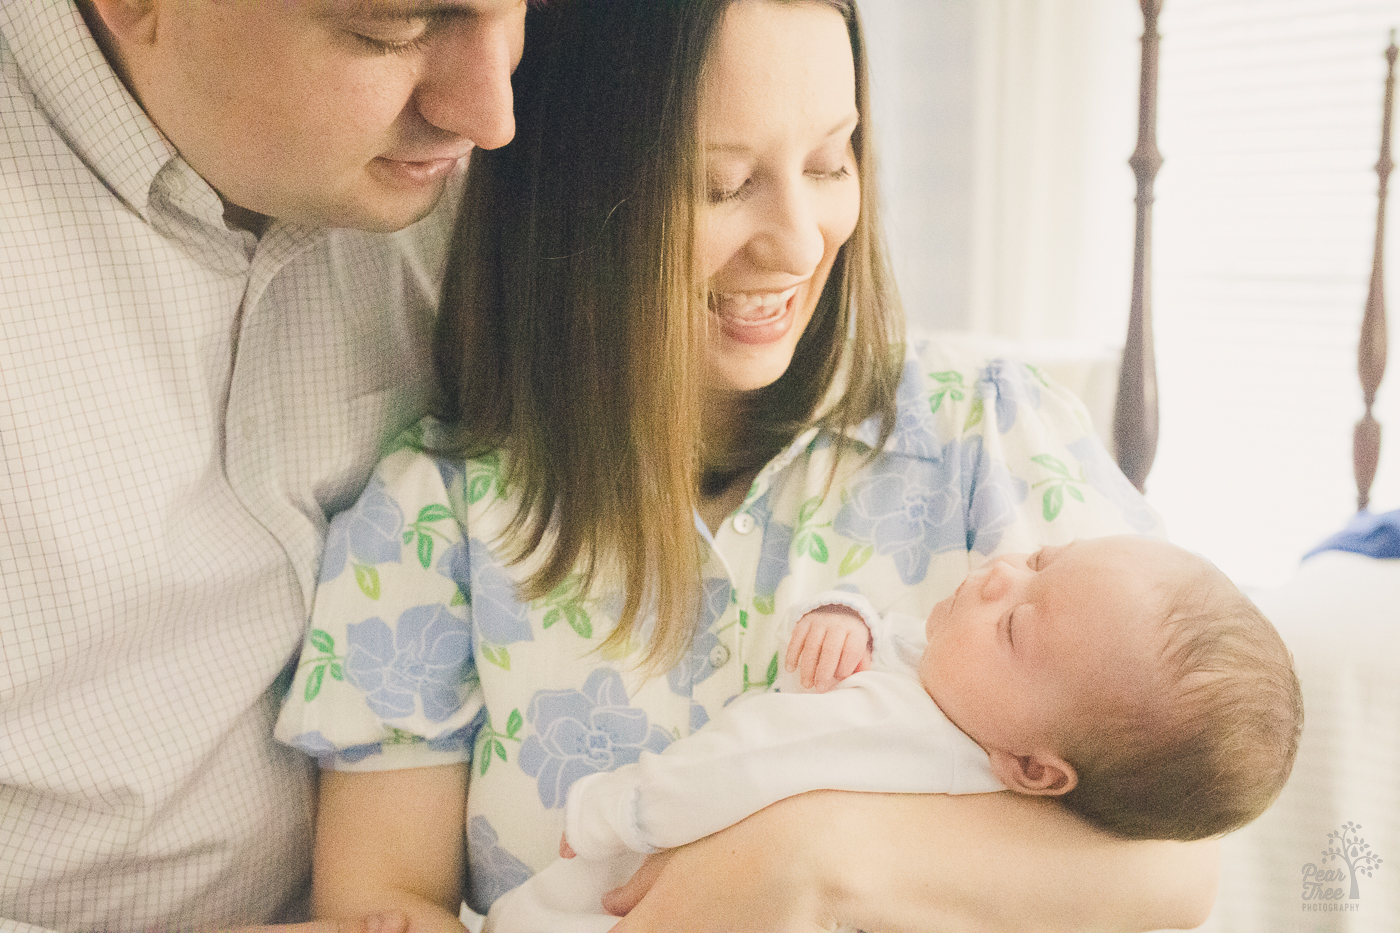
(919, 862)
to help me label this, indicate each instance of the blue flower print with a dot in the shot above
(773, 552)
(492, 870)
(1103, 474)
(915, 428)
(450, 470)
(371, 531)
(909, 510)
(582, 732)
(319, 747)
(498, 615)
(455, 565)
(706, 654)
(993, 496)
(1009, 385)
(460, 740)
(427, 657)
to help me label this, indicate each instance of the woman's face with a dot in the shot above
(776, 117)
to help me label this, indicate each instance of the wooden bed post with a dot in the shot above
(1135, 414)
(1370, 354)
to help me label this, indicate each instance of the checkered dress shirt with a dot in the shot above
(181, 406)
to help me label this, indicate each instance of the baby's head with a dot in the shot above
(1125, 674)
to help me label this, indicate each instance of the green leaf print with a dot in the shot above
(953, 387)
(809, 508)
(322, 641)
(974, 416)
(498, 655)
(337, 672)
(313, 683)
(479, 486)
(579, 621)
(856, 557)
(773, 669)
(764, 604)
(1053, 464)
(564, 604)
(1052, 501)
(483, 478)
(425, 550)
(368, 580)
(488, 740)
(433, 513)
(817, 548)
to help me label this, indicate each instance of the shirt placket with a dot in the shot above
(734, 552)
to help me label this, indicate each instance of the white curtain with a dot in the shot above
(1005, 128)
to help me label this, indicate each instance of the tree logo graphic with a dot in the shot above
(1348, 847)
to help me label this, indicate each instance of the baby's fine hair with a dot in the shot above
(1216, 745)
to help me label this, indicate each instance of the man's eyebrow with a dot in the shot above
(401, 9)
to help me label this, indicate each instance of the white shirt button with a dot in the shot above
(743, 523)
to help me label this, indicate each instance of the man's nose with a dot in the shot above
(466, 86)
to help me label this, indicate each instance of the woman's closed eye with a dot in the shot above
(719, 194)
(830, 174)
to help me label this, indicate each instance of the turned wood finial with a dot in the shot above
(1135, 414)
(1370, 355)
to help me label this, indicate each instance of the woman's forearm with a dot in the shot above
(919, 863)
(391, 840)
(1002, 862)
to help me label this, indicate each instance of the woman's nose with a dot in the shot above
(790, 239)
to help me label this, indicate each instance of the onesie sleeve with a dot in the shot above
(386, 676)
(875, 732)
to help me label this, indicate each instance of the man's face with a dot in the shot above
(349, 113)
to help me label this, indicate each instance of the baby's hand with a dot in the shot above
(828, 645)
(565, 850)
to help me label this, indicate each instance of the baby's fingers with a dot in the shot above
(797, 642)
(839, 656)
(853, 654)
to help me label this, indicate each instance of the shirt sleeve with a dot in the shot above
(1033, 469)
(386, 676)
(875, 732)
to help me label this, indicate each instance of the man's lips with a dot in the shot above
(416, 171)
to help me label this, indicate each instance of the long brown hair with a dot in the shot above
(573, 315)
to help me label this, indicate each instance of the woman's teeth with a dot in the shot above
(751, 307)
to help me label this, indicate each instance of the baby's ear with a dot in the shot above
(1040, 774)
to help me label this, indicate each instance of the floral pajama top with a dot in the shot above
(420, 652)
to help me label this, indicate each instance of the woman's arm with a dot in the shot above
(391, 840)
(936, 863)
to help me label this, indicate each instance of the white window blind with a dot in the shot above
(1269, 120)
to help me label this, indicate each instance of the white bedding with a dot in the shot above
(1340, 615)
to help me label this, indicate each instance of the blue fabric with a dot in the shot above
(1372, 534)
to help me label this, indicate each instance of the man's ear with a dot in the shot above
(1040, 774)
(126, 21)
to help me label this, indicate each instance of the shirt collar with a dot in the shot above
(76, 88)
